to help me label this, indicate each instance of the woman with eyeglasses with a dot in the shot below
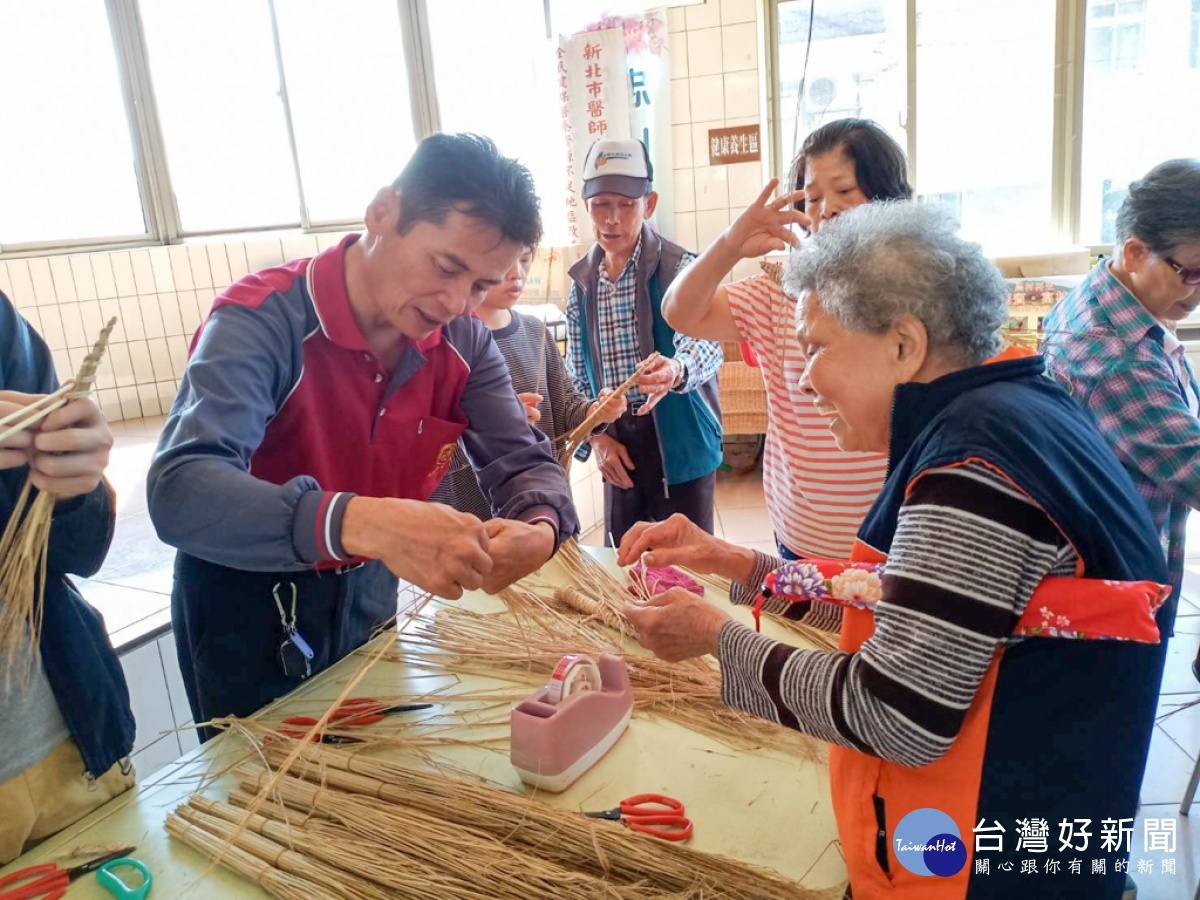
(1112, 341)
(817, 494)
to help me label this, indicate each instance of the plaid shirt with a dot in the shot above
(1108, 350)
(619, 349)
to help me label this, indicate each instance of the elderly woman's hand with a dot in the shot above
(763, 226)
(679, 541)
(677, 625)
(69, 451)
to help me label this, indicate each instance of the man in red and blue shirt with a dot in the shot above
(319, 410)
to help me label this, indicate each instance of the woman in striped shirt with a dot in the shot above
(816, 493)
(997, 663)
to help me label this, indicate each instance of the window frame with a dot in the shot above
(1067, 154)
(161, 214)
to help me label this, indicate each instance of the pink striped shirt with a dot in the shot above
(817, 494)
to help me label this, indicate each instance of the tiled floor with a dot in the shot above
(133, 592)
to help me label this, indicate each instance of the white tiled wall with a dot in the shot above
(159, 294)
(159, 705)
(715, 83)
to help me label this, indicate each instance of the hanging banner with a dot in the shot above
(615, 82)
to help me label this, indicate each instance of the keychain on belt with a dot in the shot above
(292, 635)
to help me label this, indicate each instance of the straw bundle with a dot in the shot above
(581, 432)
(688, 693)
(594, 591)
(521, 826)
(272, 880)
(24, 544)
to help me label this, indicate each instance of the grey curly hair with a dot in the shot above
(883, 260)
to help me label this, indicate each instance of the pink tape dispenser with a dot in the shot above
(564, 729)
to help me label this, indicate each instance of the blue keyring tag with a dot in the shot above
(118, 887)
(301, 644)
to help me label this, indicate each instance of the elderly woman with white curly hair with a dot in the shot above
(997, 665)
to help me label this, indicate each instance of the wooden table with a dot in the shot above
(762, 807)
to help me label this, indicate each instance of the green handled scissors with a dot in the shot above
(117, 886)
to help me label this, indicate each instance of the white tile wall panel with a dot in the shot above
(712, 188)
(189, 313)
(299, 247)
(43, 282)
(166, 394)
(739, 47)
(5, 285)
(130, 407)
(62, 364)
(707, 96)
(178, 348)
(72, 324)
(22, 284)
(148, 695)
(739, 11)
(685, 190)
(677, 47)
(84, 278)
(168, 305)
(109, 403)
(681, 146)
(201, 273)
(143, 272)
(700, 140)
(121, 364)
(160, 263)
(709, 225)
(746, 181)
(148, 399)
(741, 94)
(152, 320)
(235, 253)
(93, 320)
(143, 367)
(181, 267)
(102, 271)
(64, 280)
(704, 52)
(51, 328)
(218, 265)
(676, 19)
(681, 101)
(123, 270)
(263, 254)
(160, 359)
(685, 231)
(704, 15)
(33, 317)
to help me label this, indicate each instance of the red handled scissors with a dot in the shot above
(50, 880)
(351, 713)
(656, 815)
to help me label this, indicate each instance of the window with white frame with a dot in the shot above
(511, 96)
(277, 113)
(67, 169)
(976, 105)
(1194, 37)
(1131, 115)
(1114, 36)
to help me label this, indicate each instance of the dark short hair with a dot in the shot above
(467, 173)
(1163, 207)
(879, 164)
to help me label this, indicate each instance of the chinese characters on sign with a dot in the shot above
(734, 145)
(594, 91)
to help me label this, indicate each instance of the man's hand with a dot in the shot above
(14, 449)
(67, 451)
(516, 549)
(679, 541)
(428, 544)
(677, 625)
(610, 406)
(763, 226)
(530, 401)
(657, 379)
(613, 459)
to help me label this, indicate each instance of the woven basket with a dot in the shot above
(743, 396)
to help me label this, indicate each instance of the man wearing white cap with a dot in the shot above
(661, 457)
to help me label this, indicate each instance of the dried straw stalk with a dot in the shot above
(24, 545)
(445, 855)
(688, 693)
(276, 883)
(319, 727)
(581, 432)
(529, 826)
(280, 852)
(594, 592)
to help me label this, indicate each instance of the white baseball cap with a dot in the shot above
(617, 167)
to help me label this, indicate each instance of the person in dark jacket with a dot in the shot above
(66, 728)
(321, 407)
(662, 456)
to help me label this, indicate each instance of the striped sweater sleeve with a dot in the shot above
(817, 614)
(968, 551)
